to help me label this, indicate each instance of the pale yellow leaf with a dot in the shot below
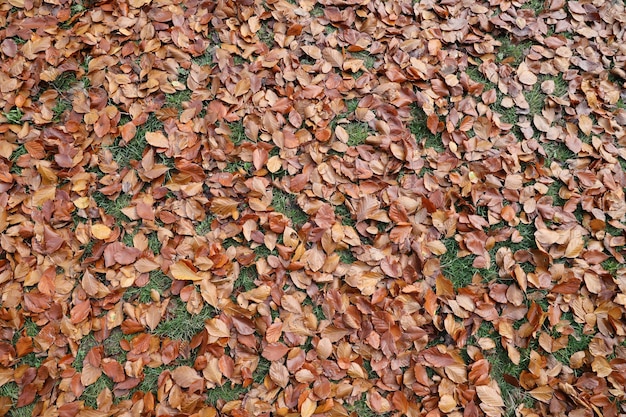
(181, 271)
(101, 231)
(308, 408)
(543, 394)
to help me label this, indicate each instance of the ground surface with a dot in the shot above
(341, 207)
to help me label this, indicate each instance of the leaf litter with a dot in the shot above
(314, 207)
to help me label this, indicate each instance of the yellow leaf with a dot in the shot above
(447, 403)
(100, 231)
(181, 271)
(308, 408)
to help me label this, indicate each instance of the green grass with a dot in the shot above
(317, 11)
(238, 133)
(578, 341)
(177, 99)
(368, 59)
(124, 154)
(351, 106)
(262, 252)
(26, 411)
(527, 231)
(612, 266)
(261, 370)
(64, 81)
(553, 191)
(112, 348)
(535, 98)
(501, 365)
(346, 256)
(286, 204)
(11, 390)
(361, 409)
(113, 206)
(243, 167)
(19, 151)
(538, 6)
(204, 227)
(343, 214)
(510, 49)
(62, 105)
(14, 116)
(556, 152)
(87, 250)
(32, 330)
(266, 35)
(458, 270)
(205, 59)
(245, 279)
(31, 360)
(158, 281)
(86, 343)
(560, 85)
(90, 395)
(357, 133)
(227, 392)
(420, 130)
(150, 379)
(154, 244)
(179, 324)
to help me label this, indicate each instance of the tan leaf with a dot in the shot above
(279, 374)
(146, 265)
(185, 376)
(575, 245)
(585, 124)
(217, 328)
(333, 56)
(541, 123)
(525, 75)
(157, 139)
(490, 399)
(324, 348)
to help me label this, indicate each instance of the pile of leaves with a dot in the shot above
(332, 207)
